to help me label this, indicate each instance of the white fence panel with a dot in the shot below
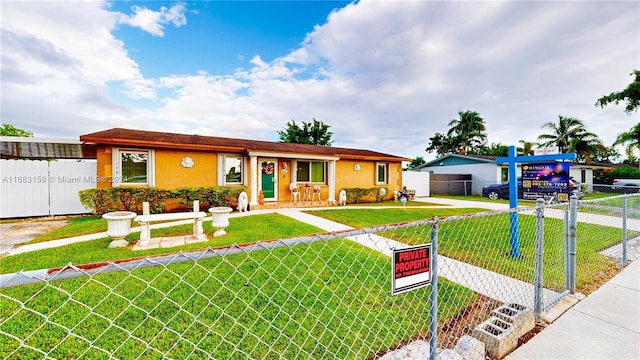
(417, 180)
(43, 188)
(67, 179)
(25, 188)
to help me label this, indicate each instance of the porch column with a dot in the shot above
(332, 181)
(253, 171)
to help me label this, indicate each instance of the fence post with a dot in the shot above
(566, 246)
(433, 295)
(537, 280)
(625, 203)
(573, 219)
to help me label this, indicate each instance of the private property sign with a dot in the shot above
(410, 268)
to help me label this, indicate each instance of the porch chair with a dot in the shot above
(316, 192)
(295, 192)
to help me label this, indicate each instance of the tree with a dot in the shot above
(526, 149)
(10, 130)
(564, 131)
(419, 160)
(605, 155)
(631, 95)
(468, 131)
(441, 144)
(586, 148)
(631, 139)
(495, 149)
(314, 133)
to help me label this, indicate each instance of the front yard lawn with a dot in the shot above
(329, 299)
(360, 218)
(484, 241)
(241, 230)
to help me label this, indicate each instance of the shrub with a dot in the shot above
(105, 200)
(607, 176)
(358, 195)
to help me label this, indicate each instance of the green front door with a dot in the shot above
(268, 180)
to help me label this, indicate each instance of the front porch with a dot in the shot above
(291, 204)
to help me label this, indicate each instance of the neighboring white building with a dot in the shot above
(484, 170)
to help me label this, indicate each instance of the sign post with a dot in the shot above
(511, 160)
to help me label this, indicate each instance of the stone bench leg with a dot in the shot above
(198, 232)
(145, 234)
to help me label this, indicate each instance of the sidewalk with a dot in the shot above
(605, 325)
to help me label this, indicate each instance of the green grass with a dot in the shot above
(484, 241)
(473, 198)
(240, 230)
(397, 203)
(593, 196)
(75, 227)
(94, 224)
(521, 202)
(323, 300)
(360, 218)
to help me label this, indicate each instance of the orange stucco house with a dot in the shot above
(168, 161)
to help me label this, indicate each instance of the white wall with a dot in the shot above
(576, 173)
(417, 180)
(43, 188)
(481, 174)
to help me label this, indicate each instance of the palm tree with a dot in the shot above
(526, 148)
(564, 132)
(468, 130)
(631, 138)
(587, 147)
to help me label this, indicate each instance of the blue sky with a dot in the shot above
(221, 36)
(385, 75)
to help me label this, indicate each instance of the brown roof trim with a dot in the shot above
(152, 139)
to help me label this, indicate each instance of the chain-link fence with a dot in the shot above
(324, 296)
(475, 188)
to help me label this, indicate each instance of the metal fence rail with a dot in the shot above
(322, 296)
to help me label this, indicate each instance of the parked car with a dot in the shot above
(627, 186)
(501, 191)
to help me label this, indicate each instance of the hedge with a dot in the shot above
(105, 200)
(365, 195)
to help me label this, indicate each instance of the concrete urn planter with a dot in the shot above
(220, 219)
(119, 226)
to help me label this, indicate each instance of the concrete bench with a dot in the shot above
(146, 219)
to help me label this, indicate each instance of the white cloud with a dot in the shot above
(153, 21)
(385, 75)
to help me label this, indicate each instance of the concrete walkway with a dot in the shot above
(494, 285)
(605, 325)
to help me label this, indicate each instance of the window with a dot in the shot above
(311, 171)
(583, 176)
(504, 174)
(233, 169)
(382, 173)
(133, 167)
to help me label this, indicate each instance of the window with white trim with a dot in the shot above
(133, 167)
(233, 169)
(382, 173)
(311, 171)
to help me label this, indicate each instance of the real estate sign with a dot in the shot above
(410, 268)
(540, 179)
